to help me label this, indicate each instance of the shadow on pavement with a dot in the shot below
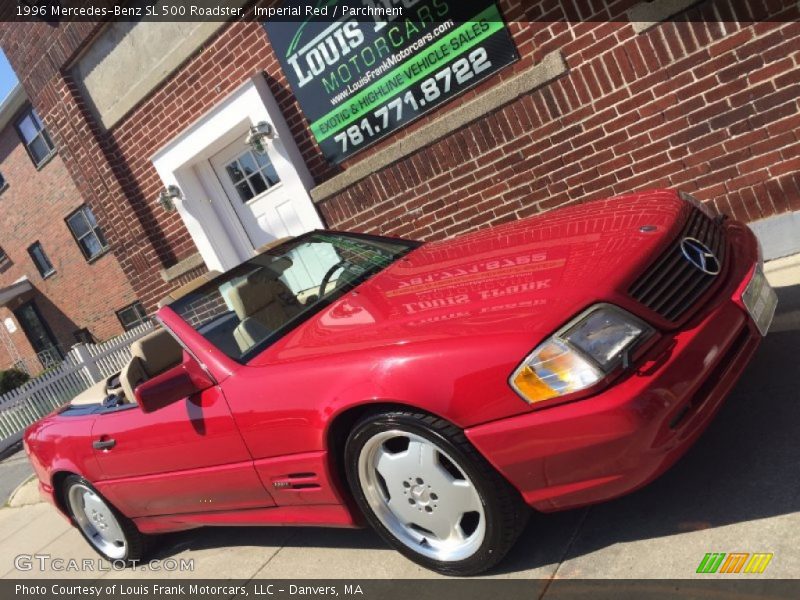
(267, 537)
(743, 468)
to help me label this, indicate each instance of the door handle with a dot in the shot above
(104, 444)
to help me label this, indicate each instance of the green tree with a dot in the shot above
(11, 379)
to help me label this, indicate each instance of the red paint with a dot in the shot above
(188, 456)
(309, 516)
(187, 379)
(440, 330)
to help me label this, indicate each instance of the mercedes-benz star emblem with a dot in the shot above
(697, 253)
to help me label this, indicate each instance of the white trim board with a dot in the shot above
(183, 161)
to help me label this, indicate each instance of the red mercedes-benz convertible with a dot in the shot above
(434, 391)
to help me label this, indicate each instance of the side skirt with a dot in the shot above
(302, 515)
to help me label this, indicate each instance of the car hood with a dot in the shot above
(523, 279)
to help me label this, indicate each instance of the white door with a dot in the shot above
(262, 202)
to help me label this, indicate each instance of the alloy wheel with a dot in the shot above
(97, 521)
(421, 495)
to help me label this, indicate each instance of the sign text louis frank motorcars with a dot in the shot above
(359, 80)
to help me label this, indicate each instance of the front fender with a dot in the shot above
(59, 444)
(287, 408)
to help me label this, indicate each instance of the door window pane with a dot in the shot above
(234, 172)
(258, 183)
(267, 169)
(252, 174)
(248, 164)
(245, 193)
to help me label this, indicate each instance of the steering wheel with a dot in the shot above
(327, 279)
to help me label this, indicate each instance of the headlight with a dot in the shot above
(579, 355)
(706, 208)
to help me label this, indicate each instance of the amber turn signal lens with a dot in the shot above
(554, 369)
(528, 383)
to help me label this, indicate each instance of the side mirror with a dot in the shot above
(178, 383)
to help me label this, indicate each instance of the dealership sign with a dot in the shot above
(359, 79)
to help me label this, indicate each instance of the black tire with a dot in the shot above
(136, 543)
(505, 512)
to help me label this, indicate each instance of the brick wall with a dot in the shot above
(79, 294)
(708, 106)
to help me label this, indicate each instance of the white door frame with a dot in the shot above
(214, 226)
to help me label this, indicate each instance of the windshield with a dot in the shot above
(246, 309)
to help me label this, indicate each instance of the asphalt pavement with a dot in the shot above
(736, 490)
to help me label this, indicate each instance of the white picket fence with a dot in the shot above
(83, 366)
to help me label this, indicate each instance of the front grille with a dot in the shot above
(672, 285)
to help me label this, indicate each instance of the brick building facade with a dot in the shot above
(44, 313)
(680, 94)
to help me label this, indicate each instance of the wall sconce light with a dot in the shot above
(258, 136)
(167, 197)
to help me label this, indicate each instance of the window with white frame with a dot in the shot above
(35, 137)
(87, 233)
(132, 315)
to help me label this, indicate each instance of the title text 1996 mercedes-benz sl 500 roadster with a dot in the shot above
(433, 391)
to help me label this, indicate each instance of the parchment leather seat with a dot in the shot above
(150, 356)
(93, 395)
(260, 302)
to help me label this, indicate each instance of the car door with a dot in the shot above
(187, 457)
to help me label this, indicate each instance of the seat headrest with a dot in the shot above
(158, 351)
(271, 267)
(279, 265)
(252, 294)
